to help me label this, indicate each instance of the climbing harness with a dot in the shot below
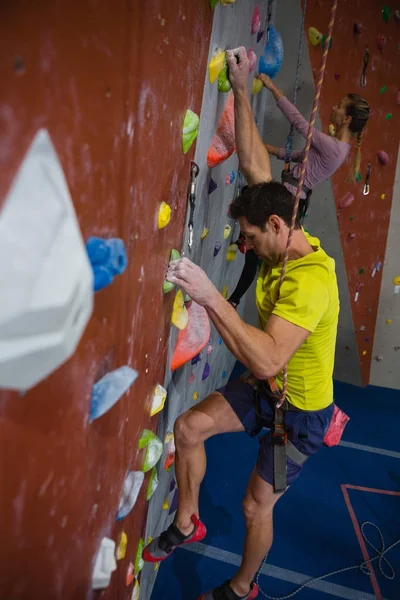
(287, 177)
(366, 184)
(363, 79)
(289, 139)
(194, 171)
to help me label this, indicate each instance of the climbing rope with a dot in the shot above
(289, 139)
(303, 167)
(364, 568)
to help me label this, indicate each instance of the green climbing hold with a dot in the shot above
(361, 271)
(190, 130)
(351, 219)
(224, 85)
(154, 448)
(324, 37)
(139, 562)
(153, 484)
(167, 285)
(388, 117)
(383, 89)
(358, 177)
(386, 13)
(213, 3)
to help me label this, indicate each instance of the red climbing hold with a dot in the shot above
(383, 157)
(347, 200)
(381, 41)
(193, 339)
(223, 142)
(256, 21)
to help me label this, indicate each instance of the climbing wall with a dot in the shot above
(231, 27)
(364, 225)
(110, 83)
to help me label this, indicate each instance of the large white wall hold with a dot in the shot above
(104, 565)
(46, 280)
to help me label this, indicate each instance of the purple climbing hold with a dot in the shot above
(174, 503)
(212, 186)
(358, 27)
(206, 371)
(196, 359)
(172, 485)
(217, 248)
(382, 157)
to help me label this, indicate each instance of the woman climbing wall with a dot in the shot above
(327, 154)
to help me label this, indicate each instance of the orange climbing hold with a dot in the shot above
(194, 338)
(223, 142)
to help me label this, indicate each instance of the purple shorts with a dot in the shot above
(305, 429)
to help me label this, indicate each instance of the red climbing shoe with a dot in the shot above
(160, 548)
(225, 592)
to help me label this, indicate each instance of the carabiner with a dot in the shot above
(363, 80)
(367, 176)
(194, 171)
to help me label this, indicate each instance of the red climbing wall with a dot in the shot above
(111, 81)
(368, 217)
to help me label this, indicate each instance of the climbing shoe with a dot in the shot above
(161, 547)
(225, 592)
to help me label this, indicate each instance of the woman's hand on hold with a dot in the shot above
(266, 81)
(238, 69)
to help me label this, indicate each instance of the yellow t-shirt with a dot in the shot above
(309, 298)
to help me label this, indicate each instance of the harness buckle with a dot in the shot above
(279, 436)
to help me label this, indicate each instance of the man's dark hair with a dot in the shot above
(259, 202)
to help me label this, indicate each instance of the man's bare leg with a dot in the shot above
(211, 416)
(258, 508)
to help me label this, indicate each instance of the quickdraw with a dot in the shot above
(194, 171)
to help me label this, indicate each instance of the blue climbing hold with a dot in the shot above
(196, 359)
(217, 248)
(108, 390)
(108, 259)
(220, 340)
(212, 186)
(271, 61)
(223, 374)
(130, 492)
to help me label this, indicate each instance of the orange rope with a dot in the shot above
(303, 166)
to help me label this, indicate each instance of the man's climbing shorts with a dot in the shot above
(305, 429)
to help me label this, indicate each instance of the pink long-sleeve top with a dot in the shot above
(326, 153)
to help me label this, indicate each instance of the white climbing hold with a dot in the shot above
(46, 280)
(108, 390)
(159, 398)
(104, 565)
(130, 492)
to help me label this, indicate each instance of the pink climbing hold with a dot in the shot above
(256, 21)
(252, 56)
(337, 76)
(381, 41)
(397, 16)
(382, 157)
(398, 97)
(351, 236)
(347, 200)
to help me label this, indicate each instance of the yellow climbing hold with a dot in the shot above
(195, 396)
(383, 196)
(231, 252)
(256, 86)
(165, 506)
(216, 64)
(149, 540)
(121, 548)
(204, 233)
(136, 591)
(190, 130)
(168, 437)
(314, 36)
(388, 321)
(156, 567)
(331, 130)
(225, 292)
(226, 2)
(227, 230)
(364, 353)
(164, 215)
(180, 316)
(396, 280)
(159, 398)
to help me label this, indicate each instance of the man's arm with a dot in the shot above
(265, 353)
(253, 156)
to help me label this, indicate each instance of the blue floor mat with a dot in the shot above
(314, 532)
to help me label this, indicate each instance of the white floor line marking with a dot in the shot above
(338, 591)
(382, 451)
